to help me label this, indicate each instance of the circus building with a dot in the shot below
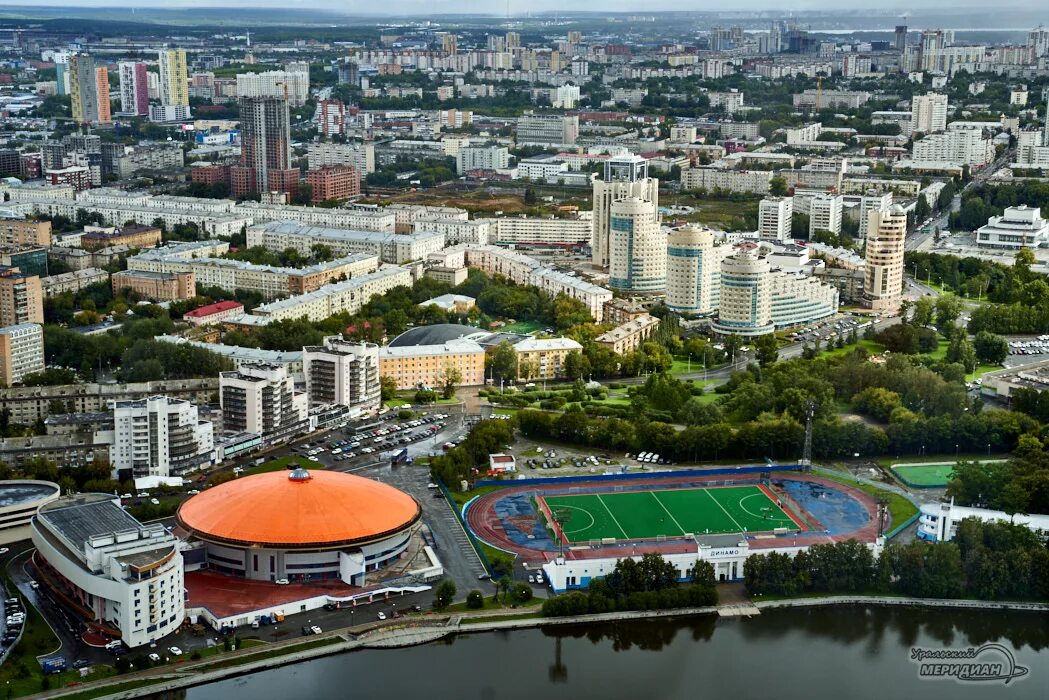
(299, 527)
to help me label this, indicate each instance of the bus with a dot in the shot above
(400, 457)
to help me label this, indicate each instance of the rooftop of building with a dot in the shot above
(546, 344)
(297, 229)
(217, 307)
(80, 517)
(16, 493)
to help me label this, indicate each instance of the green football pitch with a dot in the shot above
(924, 474)
(629, 515)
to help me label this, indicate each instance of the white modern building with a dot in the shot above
(774, 219)
(124, 578)
(961, 146)
(693, 271)
(625, 176)
(637, 247)
(798, 300)
(359, 155)
(745, 307)
(19, 501)
(344, 373)
(825, 214)
(295, 85)
(939, 521)
(159, 436)
(929, 113)
(1019, 227)
(542, 232)
(456, 231)
(21, 352)
(261, 398)
(488, 158)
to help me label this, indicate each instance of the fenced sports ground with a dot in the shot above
(661, 513)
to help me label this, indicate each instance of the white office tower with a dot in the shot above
(344, 373)
(872, 201)
(774, 219)
(825, 214)
(693, 271)
(638, 258)
(928, 113)
(883, 273)
(625, 176)
(745, 307)
(159, 436)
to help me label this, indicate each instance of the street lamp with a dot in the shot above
(956, 452)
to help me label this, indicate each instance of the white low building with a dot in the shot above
(124, 577)
(939, 521)
(1019, 227)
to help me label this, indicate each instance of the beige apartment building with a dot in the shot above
(629, 336)
(427, 365)
(23, 232)
(156, 286)
(21, 298)
(883, 275)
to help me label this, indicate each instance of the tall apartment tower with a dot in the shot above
(265, 150)
(21, 297)
(825, 214)
(745, 306)
(260, 398)
(625, 176)
(343, 373)
(83, 88)
(102, 90)
(134, 88)
(883, 273)
(21, 352)
(174, 77)
(693, 271)
(637, 247)
(900, 37)
(928, 113)
(872, 201)
(774, 219)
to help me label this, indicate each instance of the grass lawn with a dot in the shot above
(900, 509)
(394, 403)
(111, 689)
(523, 327)
(925, 474)
(491, 604)
(871, 346)
(21, 673)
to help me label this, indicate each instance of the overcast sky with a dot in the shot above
(498, 7)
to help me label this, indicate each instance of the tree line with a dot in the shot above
(650, 583)
(987, 561)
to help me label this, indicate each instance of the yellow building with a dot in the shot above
(415, 366)
(543, 358)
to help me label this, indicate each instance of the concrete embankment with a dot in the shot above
(405, 634)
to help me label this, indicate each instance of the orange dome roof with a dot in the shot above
(299, 509)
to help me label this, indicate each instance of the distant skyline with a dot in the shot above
(423, 8)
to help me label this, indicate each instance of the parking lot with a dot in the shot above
(830, 329)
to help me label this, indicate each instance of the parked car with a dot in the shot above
(382, 616)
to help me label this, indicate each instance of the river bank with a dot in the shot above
(423, 631)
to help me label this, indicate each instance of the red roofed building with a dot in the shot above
(501, 463)
(213, 313)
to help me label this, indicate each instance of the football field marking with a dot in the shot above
(667, 511)
(581, 510)
(602, 502)
(707, 491)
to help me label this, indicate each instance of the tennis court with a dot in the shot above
(924, 474)
(630, 515)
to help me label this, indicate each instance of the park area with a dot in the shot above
(633, 515)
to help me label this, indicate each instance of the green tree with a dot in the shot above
(778, 187)
(444, 595)
(766, 349)
(990, 348)
(388, 387)
(474, 600)
(503, 362)
(451, 377)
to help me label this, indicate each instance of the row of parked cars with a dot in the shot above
(15, 621)
(1040, 346)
